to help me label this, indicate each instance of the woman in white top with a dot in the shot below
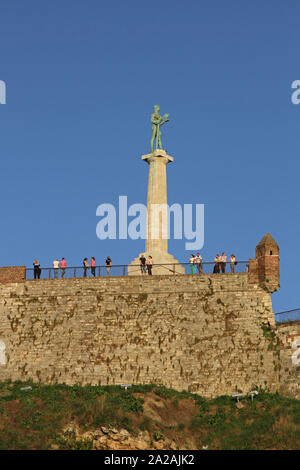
(233, 262)
(198, 261)
(192, 264)
(223, 260)
(217, 264)
(55, 268)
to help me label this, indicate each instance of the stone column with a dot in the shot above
(157, 220)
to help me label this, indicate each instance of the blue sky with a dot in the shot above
(82, 79)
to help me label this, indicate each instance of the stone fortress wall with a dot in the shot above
(210, 334)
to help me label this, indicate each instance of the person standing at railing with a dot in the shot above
(63, 265)
(198, 261)
(36, 269)
(85, 267)
(108, 265)
(192, 264)
(223, 260)
(55, 268)
(149, 264)
(93, 268)
(143, 264)
(217, 264)
(233, 263)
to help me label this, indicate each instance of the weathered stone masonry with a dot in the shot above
(208, 334)
(211, 334)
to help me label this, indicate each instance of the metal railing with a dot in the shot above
(126, 270)
(288, 316)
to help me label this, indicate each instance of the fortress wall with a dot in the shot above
(211, 334)
(288, 335)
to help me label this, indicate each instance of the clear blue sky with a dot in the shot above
(82, 78)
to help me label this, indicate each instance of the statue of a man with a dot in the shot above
(157, 122)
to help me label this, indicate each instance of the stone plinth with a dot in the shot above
(163, 263)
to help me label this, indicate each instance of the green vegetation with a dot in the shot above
(157, 436)
(68, 441)
(38, 417)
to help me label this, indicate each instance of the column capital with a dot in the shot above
(156, 155)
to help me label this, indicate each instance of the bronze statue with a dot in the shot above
(157, 122)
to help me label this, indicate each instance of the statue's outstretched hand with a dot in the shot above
(165, 118)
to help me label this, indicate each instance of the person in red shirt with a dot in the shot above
(63, 265)
(93, 268)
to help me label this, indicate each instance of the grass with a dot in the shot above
(37, 418)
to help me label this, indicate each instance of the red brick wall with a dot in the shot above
(253, 271)
(264, 271)
(12, 274)
(268, 272)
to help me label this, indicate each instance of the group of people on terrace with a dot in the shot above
(220, 263)
(195, 263)
(62, 265)
(92, 266)
(146, 264)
